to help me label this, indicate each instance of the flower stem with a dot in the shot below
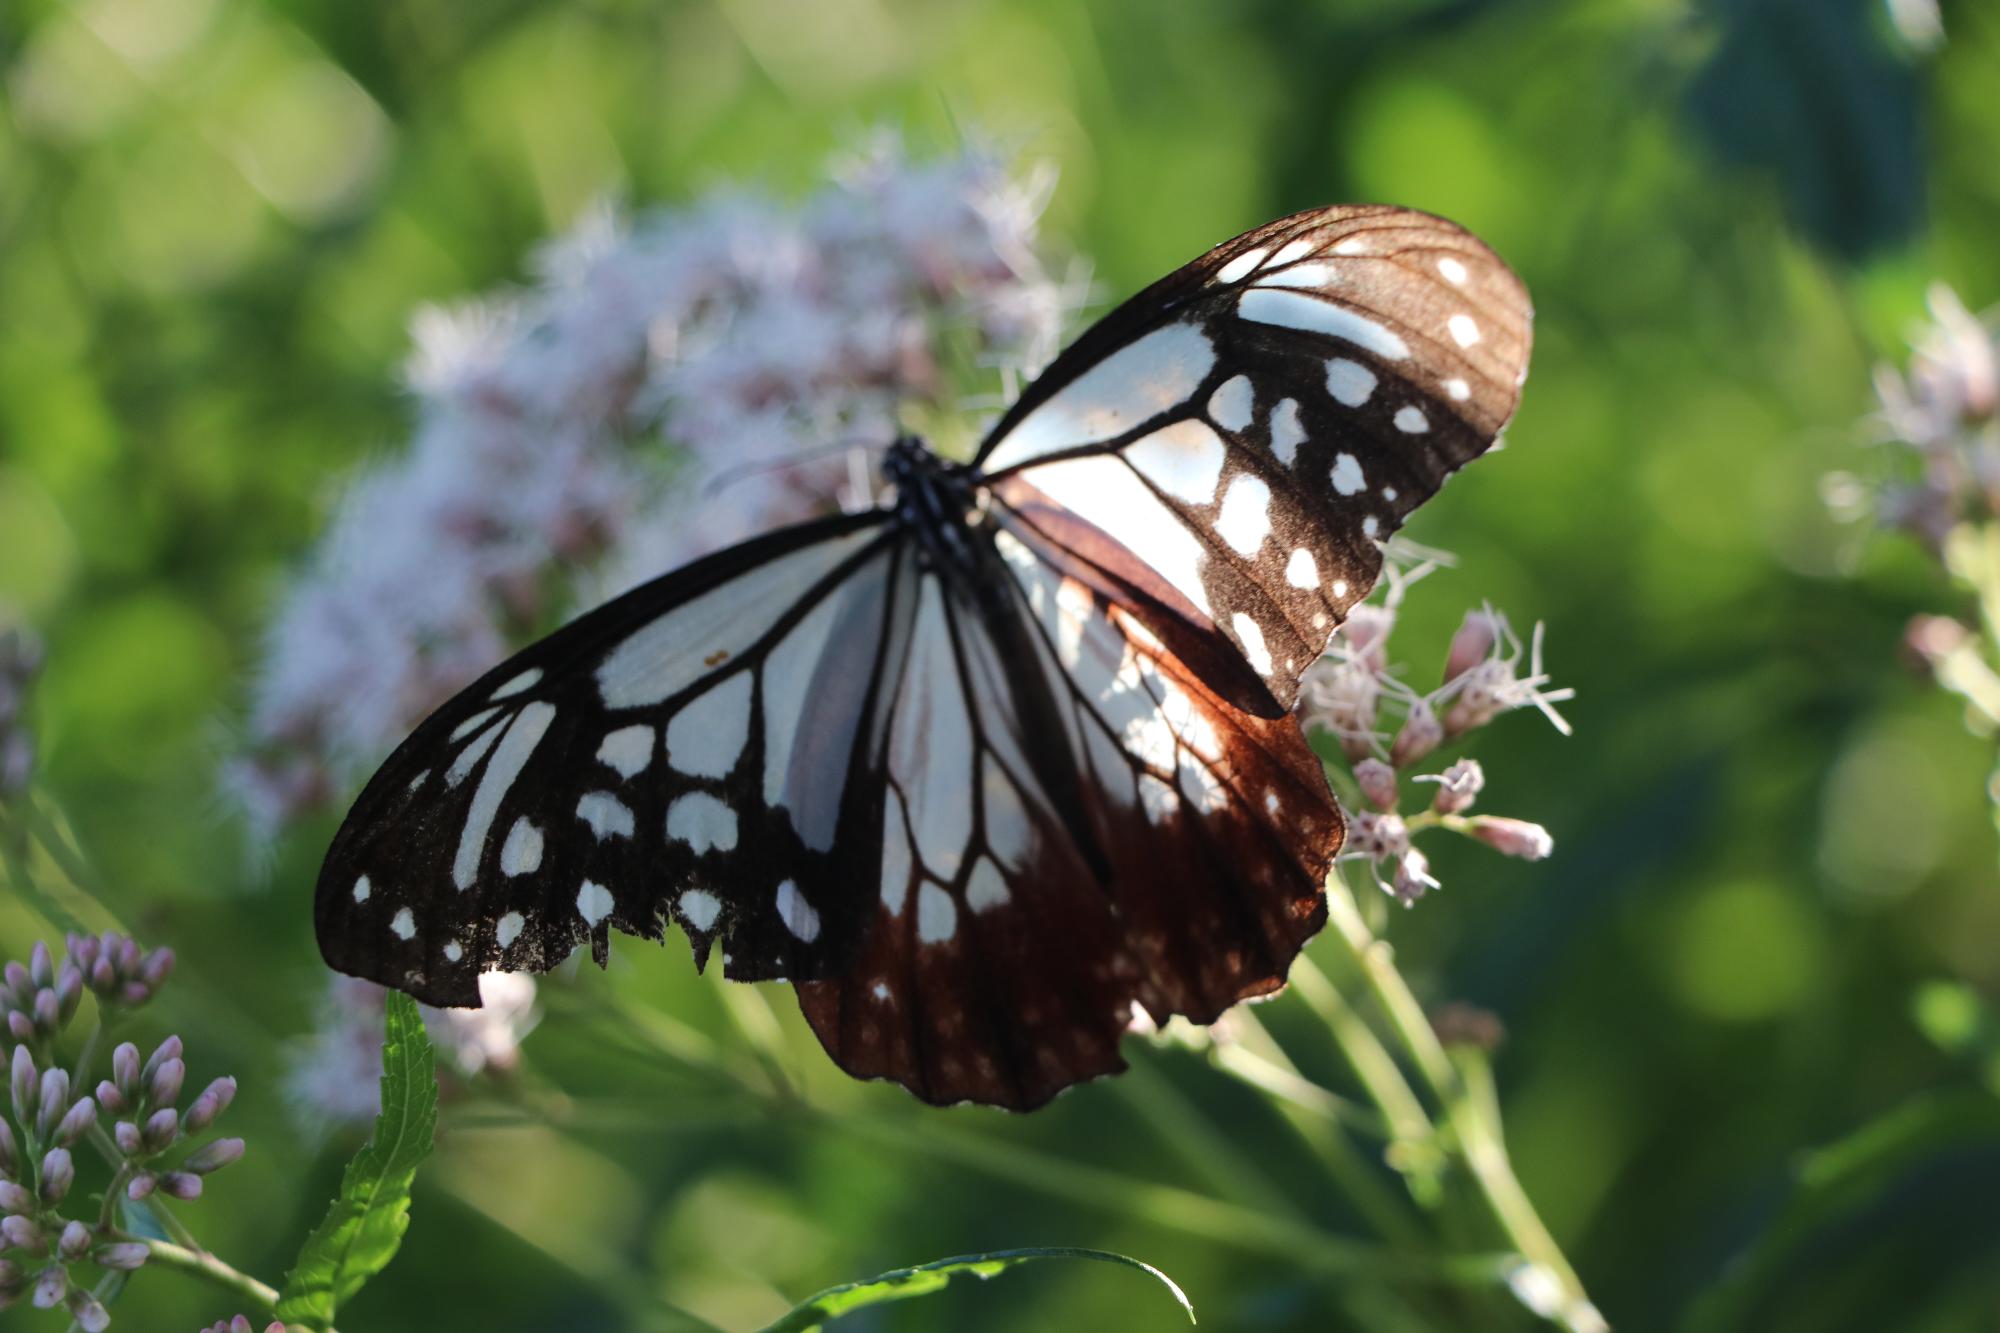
(1467, 1109)
(200, 1263)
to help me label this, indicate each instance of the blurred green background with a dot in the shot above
(1774, 884)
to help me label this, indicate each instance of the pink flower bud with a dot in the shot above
(1420, 735)
(54, 1102)
(170, 1049)
(159, 965)
(1366, 631)
(15, 1198)
(1377, 836)
(103, 976)
(1413, 877)
(1473, 642)
(1513, 837)
(125, 1069)
(74, 1242)
(18, 980)
(77, 1123)
(141, 1186)
(1377, 782)
(27, 1084)
(161, 1128)
(164, 1087)
(58, 1174)
(124, 1255)
(110, 1100)
(69, 992)
(88, 1312)
(213, 1101)
(181, 1185)
(41, 967)
(126, 1135)
(51, 1285)
(19, 1026)
(1458, 786)
(213, 1156)
(10, 1152)
(48, 1013)
(21, 1233)
(82, 949)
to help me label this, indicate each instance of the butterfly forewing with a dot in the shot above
(1254, 424)
(686, 752)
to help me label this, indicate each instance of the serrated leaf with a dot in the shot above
(903, 1283)
(365, 1225)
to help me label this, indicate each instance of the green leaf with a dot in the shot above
(366, 1223)
(903, 1283)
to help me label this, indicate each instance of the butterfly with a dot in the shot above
(984, 768)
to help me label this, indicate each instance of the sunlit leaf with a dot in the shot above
(365, 1225)
(903, 1283)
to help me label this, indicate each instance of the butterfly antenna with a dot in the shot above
(727, 476)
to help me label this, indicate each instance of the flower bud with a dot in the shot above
(159, 965)
(74, 1242)
(213, 1156)
(164, 1087)
(1458, 786)
(88, 1312)
(1413, 877)
(103, 976)
(213, 1101)
(12, 1280)
(15, 1198)
(1420, 735)
(82, 949)
(41, 967)
(141, 1185)
(10, 1152)
(58, 1174)
(181, 1185)
(1477, 634)
(161, 1127)
(124, 1255)
(26, 1084)
(133, 994)
(76, 1123)
(127, 954)
(69, 992)
(1378, 783)
(126, 1135)
(1377, 836)
(54, 1102)
(170, 1049)
(1513, 837)
(110, 1100)
(125, 1069)
(48, 1013)
(19, 1026)
(51, 1285)
(18, 980)
(1366, 631)
(21, 1233)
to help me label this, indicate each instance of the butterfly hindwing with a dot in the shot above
(1121, 835)
(1252, 425)
(682, 753)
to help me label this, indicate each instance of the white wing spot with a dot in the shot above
(1271, 802)
(1463, 328)
(403, 925)
(473, 723)
(1458, 389)
(468, 758)
(521, 854)
(453, 951)
(1154, 374)
(628, 749)
(1390, 493)
(707, 735)
(1295, 251)
(985, 890)
(797, 914)
(1252, 638)
(509, 929)
(607, 816)
(1241, 266)
(362, 888)
(1350, 382)
(1300, 275)
(1286, 432)
(702, 822)
(881, 990)
(1454, 272)
(700, 909)
(594, 902)
(1302, 571)
(1412, 421)
(1246, 514)
(937, 915)
(1230, 406)
(526, 680)
(1184, 459)
(523, 734)
(1340, 587)
(1309, 314)
(1347, 478)
(1369, 526)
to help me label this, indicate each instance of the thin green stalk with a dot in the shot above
(200, 1263)
(1478, 1134)
(1213, 1156)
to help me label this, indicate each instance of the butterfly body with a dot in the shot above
(983, 768)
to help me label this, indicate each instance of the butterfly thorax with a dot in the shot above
(933, 498)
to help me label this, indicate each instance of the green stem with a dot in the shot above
(1223, 1167)
(200, 1263)
(1465, 1108)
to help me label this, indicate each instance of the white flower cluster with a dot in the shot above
(669, 383)
(1354, 691)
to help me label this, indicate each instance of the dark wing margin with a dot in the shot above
(683, 753)
(1076, 824)
(1254, 424)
